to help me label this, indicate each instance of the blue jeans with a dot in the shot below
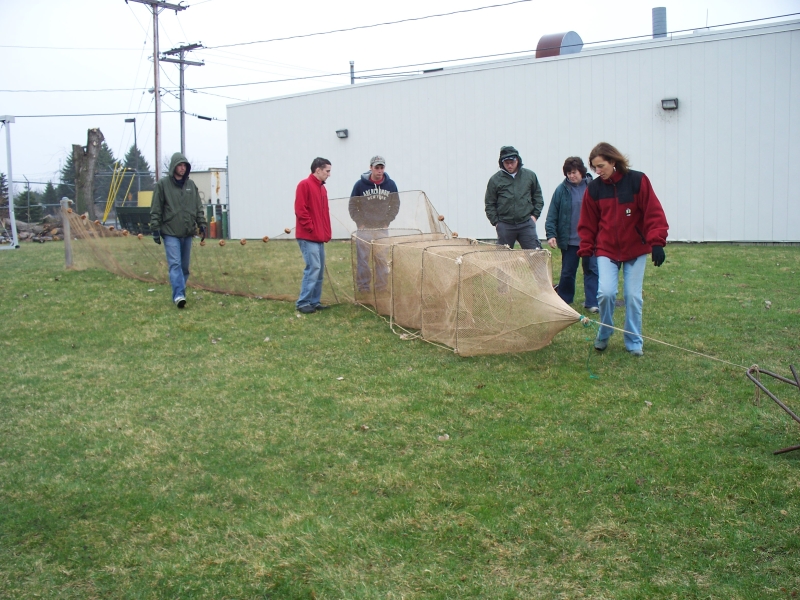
(633, 277)
(379, 254)
(179, 251)
(311, 288)
(569, 267)
(524, 233)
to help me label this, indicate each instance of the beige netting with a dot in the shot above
(474, 297)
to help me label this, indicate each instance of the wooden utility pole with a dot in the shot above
(181, 62)
(155, 6)
(84, 159)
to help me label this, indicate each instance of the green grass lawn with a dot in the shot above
(147, 452)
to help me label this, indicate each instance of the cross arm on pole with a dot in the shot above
(158, 4)
(184, 62)
(186, 48)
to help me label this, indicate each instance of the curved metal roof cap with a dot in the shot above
(558, 44)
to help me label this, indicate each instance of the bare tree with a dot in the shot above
(84, 159)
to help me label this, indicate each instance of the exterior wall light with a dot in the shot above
(669, 104)
(342, 133)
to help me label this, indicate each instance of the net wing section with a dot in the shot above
(475, 298)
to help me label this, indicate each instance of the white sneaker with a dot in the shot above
(180, 301)
(593, 309)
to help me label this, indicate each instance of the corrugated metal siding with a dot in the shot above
(720, 164)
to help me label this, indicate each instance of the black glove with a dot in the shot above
(658, 255)
(157, 237)
(202, 233)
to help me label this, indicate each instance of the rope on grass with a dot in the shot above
(407, 334)
(584, 319)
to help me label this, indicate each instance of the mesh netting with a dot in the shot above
(474, 297)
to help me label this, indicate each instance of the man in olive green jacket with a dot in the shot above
(176, 213)
(514, 201)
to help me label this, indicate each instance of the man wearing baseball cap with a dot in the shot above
(514, 201)
(374, 204)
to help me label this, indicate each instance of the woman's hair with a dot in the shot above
(574, 163)
(611, 154)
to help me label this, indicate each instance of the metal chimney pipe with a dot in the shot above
(659, 22)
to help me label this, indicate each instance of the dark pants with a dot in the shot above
(569, 268)
(524, 233)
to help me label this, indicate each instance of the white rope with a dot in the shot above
(585, 320)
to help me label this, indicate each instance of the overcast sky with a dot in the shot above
(51, 47)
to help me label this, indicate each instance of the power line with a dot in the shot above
(608, 41)
(212, 87)
(305, 35)
(292, 37)
(143, 89)
(288, 79)
(114, 114)
(70, 48)
(226, 54)
(205, 118)
(217, 95)
(452, 60)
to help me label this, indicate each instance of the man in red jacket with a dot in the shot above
(622, 221)
(313, 230)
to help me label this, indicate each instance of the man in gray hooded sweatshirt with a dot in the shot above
(374, 204)
(176, 213)
(514, 201)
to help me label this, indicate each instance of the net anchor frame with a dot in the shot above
(753, 373)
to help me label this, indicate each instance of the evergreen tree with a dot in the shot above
(66, 186)
(51, 199)
(104, 168)
(27, 207)
(3, 191)
(137, 163)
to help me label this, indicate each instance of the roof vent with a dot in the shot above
(659, 22)
(558, 44)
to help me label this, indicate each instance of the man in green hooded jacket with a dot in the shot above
(514, 201)
(176, 213)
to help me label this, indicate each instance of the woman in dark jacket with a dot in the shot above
(561, 228)
(622, 221)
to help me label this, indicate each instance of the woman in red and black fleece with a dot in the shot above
(621, 222)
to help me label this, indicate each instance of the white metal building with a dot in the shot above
(724, 164)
